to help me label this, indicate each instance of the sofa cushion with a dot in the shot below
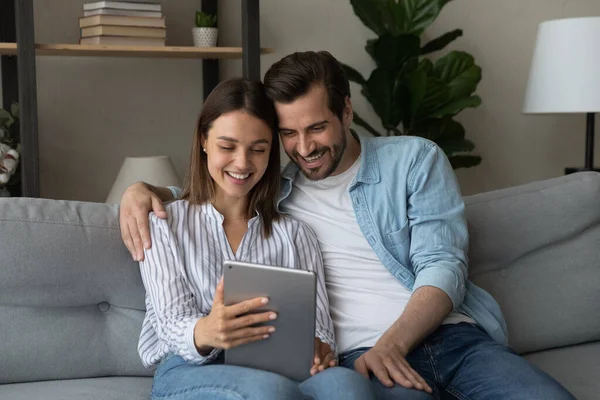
(536, 249)
(576, 367)
(80, 389)
(71, 297)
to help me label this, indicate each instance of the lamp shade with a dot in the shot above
(158, 171)
(565, 70)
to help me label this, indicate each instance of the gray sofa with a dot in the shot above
(72, 302)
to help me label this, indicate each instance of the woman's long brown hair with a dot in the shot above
(236, 95)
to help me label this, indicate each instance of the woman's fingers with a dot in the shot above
(249, 332)
(246, 340)
(327, 361)
(250, 319)
(244, 307)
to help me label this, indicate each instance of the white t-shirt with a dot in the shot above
(365, 298)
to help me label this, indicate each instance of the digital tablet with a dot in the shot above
(289, 351)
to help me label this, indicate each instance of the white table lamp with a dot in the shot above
(158, 171)
(565, 74)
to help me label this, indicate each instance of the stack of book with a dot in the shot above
(122, 23)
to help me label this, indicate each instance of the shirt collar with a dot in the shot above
(212, 213)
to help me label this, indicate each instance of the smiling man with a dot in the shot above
(390, 221)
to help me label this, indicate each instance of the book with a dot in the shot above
(110, 30)
(117, 20)
(127, 13)
(122, 41)
(122, 5)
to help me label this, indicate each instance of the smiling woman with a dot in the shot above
(235, 153)
(227, 212)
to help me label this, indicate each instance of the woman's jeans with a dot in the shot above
(175, 379)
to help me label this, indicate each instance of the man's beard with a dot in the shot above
(336, 152)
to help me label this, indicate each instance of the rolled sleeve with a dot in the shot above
(192, 352)
(439, 237)
(444, 278)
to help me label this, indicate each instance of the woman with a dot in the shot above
(228, 211)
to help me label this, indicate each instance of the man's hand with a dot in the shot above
(136, 203)
(324, 357)
(388, 363)
(227, 327)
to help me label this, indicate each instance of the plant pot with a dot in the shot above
(205, 37)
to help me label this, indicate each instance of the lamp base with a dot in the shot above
(573, 170)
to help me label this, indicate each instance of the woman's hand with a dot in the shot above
(226, 327)
(324, 357)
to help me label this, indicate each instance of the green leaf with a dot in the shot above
(205, 20)
(396, 20)
(458, 70)
(442, 41)
(416, 83)
(370, 48)
(391, 52)
(396, 16)
(364, 124)
(453, 146)
(464, 161)
(414, 16)
(457, 106)
(369, 12)
(437, 93)
(353, 75)
(400, 107)
(378, 92)
(6, 119)
(14, 109)
(440, 129)
(410, 66)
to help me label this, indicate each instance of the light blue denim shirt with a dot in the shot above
(408, 205)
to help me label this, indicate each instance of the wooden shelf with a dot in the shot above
(76, 50)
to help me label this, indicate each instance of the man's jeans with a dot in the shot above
(175, 379)
(462, 362)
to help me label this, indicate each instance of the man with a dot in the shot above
(390, 222)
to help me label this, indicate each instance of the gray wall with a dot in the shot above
(95, 111)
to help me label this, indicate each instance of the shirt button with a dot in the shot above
(104, 306)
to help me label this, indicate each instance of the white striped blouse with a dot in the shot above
(182, 268)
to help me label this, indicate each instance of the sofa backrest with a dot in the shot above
(536, 249)
(72, 300)
(71, 297)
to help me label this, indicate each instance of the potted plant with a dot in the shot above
(10, 150)
(409, 92)
(205, 32)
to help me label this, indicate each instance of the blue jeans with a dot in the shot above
(175, 379)
(462, 362)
